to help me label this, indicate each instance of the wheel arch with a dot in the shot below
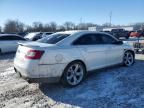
(126, 50)
(62, 79)
(77, 60)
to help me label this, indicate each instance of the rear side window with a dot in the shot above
(48, 33)
(88, 39)
(16, 38)
(2, 38)
(53, 39)
(107, 39)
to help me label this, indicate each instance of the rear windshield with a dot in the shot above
(53, 39)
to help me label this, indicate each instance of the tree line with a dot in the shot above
(12, 26)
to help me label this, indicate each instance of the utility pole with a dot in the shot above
(110, 16)
(80, 23)
(80, 20)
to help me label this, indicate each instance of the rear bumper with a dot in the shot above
(38, 80)
(34, 72)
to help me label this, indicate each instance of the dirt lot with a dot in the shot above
(119, 87)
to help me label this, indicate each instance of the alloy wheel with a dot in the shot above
(128, 58)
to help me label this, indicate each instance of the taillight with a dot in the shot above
(34, 54)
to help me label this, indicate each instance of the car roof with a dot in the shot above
(81, 31)
(9, 35)
(47, 32)
(35, 32)
(70, 32)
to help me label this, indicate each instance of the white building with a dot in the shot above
(98, 29)
(128, 28)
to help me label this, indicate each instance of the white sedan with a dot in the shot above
(9, 42)
(68, 56)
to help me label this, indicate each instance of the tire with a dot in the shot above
(128, 59)
(142, 51)
(0, 51)
(73, 74)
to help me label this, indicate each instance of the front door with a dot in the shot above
(93, 51)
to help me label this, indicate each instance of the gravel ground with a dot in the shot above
(117, 87)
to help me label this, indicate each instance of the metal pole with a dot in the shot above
(110, 18)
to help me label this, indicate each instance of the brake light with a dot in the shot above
(34, 54)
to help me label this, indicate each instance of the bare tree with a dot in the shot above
(16, 26)
(82, 26)
(0, 29)
(46, 28)
(138, 26)
(29, 29)
(37, 26)
(69, 25)
(85, 26)
(53, 26)
(106, 25)
(13, 26)
(61, 28)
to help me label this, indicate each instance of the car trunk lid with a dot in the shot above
(31, 50)
(36, 44)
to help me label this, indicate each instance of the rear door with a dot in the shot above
(9, 43)
(15, 40)
(6, 44)
(93, 51)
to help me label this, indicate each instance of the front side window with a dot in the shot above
(107, 39)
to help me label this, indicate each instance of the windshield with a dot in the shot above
(53, 39)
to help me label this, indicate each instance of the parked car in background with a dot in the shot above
(106, 32)
(46, 34)
(120, 33)
(9, 42)
(134, 34)
(141, 33)
(18, 33)
(22, 33)
(68, 56)
(33, 36)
